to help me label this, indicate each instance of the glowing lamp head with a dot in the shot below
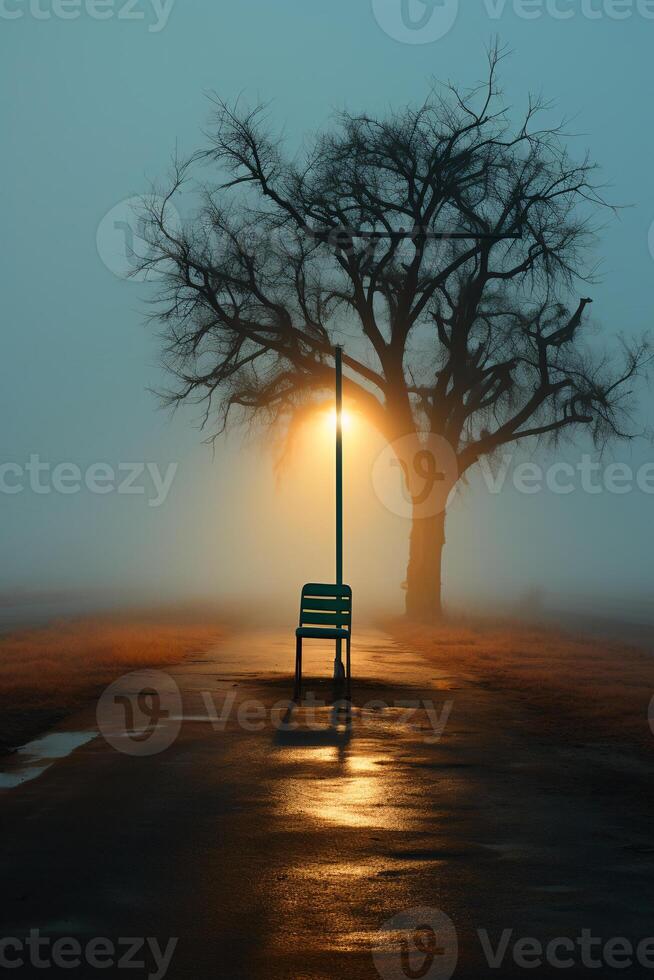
(331, 420)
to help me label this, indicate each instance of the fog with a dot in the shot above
(96, 117)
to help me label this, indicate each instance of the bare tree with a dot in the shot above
(478, 337)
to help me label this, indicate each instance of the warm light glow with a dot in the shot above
(330, 420)
(355, 793)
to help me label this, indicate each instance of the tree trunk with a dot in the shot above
(423, 582)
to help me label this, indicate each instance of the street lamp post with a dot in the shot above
(339, 672)
(339, 236)
(339, 465)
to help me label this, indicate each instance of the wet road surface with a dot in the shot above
(275, 845)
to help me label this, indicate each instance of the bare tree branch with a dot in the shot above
(483, 341)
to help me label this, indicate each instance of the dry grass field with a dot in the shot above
(583, 688)
(47, 672)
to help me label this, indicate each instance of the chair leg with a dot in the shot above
(339, 672)
(349, 669)
(298, 669)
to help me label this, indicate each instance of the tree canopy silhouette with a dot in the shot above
(478, 339)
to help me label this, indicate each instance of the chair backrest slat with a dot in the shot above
(324, 619)
(326, 605)
(315, 589)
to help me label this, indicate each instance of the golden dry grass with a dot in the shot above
(582, 688)
(46, 672)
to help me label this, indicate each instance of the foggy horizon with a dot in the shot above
(75, 387)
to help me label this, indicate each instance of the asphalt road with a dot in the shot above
(418, 835)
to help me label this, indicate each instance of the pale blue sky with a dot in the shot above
(93, 109)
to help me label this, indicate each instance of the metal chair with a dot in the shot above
(325, 614)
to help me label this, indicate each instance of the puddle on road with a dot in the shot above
(32, 760)
(360, 793)
(10, 780)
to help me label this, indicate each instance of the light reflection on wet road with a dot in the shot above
(279, 853)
